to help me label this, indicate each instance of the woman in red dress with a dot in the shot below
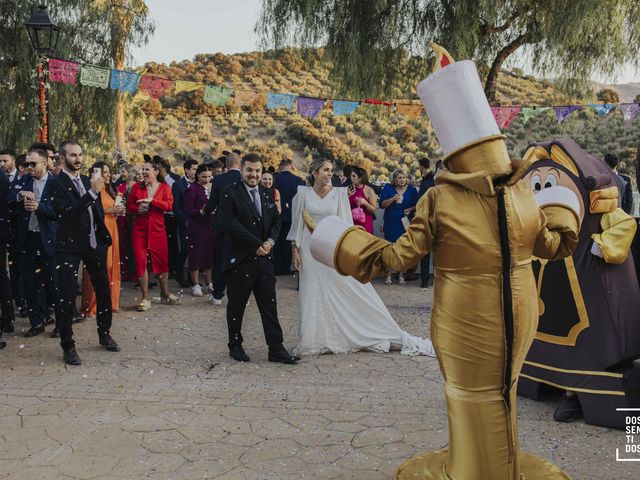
(147, 202)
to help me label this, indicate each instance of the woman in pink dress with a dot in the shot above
(363, 199)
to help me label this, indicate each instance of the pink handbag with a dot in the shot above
(358, 215)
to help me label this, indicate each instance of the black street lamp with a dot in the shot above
(43, 33)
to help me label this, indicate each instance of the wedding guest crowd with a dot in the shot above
(63, 232)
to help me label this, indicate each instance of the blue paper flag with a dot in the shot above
(124, 81)
(277, 100)
(603, 109)
(344, 107)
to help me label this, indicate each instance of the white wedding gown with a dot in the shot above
(339, 314)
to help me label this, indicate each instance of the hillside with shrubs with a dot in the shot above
(375, 137)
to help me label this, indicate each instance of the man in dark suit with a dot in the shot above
(428, 181)
(287, 184)
(252, 223)
(35, 235)
(6, 300)
(9, 163)
(178, 189)
(81, 235)
(625, 197)
(231, 176)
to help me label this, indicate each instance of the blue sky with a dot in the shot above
(185, 28)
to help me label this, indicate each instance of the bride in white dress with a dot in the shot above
(338, 314)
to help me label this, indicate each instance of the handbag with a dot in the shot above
(358, 215)
(405, 222)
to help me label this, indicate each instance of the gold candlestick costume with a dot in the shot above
(483, 225)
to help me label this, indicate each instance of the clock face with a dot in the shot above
(548, 177)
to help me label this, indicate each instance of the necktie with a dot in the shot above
(34, 226)
(256, 201)
(92, 230)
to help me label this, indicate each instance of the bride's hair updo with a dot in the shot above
(314, 166)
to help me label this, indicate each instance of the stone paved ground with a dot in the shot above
(173, 405)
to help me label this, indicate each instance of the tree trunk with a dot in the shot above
(120, 139)
(492, 78)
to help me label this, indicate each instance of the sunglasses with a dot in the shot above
(31, 164)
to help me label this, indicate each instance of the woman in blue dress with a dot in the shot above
(398, 200)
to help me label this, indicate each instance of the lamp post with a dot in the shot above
(43, 33)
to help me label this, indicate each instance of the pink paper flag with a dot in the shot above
(504, 115)
(155, 87)
(63, 71)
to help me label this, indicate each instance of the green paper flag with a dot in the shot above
(217, 95)
(93, 76)
(528, 112)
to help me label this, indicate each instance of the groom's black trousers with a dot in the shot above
(253, 275)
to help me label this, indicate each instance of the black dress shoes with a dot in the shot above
(78, 318)
(71, 357)
(2, 345)
(109, 343)
(568, 409)
(238, 354)
(33, 331)
(54, 333)
(282, 356)
(9, 328)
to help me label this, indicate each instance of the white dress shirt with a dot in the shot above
(38, 188)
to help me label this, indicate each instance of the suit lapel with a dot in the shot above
(70, 186)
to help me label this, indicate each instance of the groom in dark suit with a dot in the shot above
(250, 220)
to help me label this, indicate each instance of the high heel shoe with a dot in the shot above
(170, 300)
(401, 279)
(388, 280)
(144, 305)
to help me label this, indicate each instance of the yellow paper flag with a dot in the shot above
(182, 86)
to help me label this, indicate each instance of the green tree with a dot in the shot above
(85, 113)
(379, 46)
(608, 95)
(129, 25)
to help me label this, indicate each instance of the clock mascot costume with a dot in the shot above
(589, 303)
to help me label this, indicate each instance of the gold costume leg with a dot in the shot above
(483, 436)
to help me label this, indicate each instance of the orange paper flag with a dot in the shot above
(411, 110)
